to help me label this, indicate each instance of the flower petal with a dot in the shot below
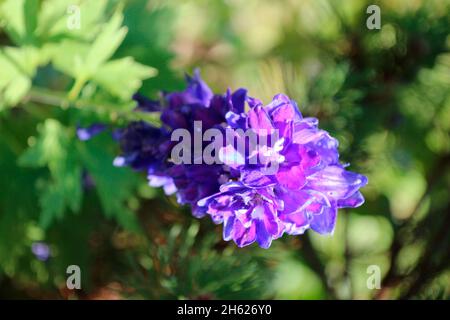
(291, 178)
(336, 182)
(263, 236)
(146, 105)
(228, 226)
(325, 222)
(259, 120)
(238, 99)
(257, 179)
(244, 236)
(355, 200)
(197, 90)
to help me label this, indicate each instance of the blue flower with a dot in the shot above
(41, 250)
(287, 180)
(306, 189)
(87, 133)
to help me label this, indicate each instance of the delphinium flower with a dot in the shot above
(304, 192)
(86, 133)
(292, 182)
(146, 147)
(41, 250)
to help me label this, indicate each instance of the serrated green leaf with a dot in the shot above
(11, 14)
(50, 147)
(82, 60)
(52, 204)
(26, 58)
(36, 22)
(54, 149)
(64, 191)
(18, 66)
(114, 185)
(123, 77)
(20, 18)
(68, 57)
(85, 62)
(107, 42)
(55, 16)
(30, 10)
(14, 83)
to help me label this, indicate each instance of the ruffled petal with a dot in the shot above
(197, 90)
(259, 120)
(325, 222)
(355, 200)
(284, 112)
(236, 120)
(291, 177)
(257, 179)
(243, 236)
(336, 182)
(263, 236)
(228, 227)
(238, 99)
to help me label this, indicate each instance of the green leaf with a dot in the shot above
(107, 42)
(18, 66)
(50, 147)
(81, 60)
(85, 62)
(55, 150)
(68, 57)
(55, 16)
(14, 85)
(114, 185)
(30, 10)
(17, 208)
(20, 18)
(64, 191)
(123, 77)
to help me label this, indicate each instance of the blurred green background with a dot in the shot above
(385, 94)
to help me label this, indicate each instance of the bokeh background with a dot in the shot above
(385, 94)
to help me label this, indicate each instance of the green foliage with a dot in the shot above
(114, 186)
(45, 172)
(119, 76)
(43, 36)
(18, 67)
(189, 267)
(54, 149)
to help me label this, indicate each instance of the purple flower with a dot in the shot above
(248, 214)
(145, 147)
(87, 133)
(146, 105)
(41, 250)
(196, 181)
(285, 178)
(87, 180)
(306, 189)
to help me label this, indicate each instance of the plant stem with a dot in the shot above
(75, 91)
(58, 99)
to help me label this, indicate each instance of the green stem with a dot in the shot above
(44, 96)
(76, 89)
(59, 99)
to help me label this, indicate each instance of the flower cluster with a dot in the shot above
(253, 203)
